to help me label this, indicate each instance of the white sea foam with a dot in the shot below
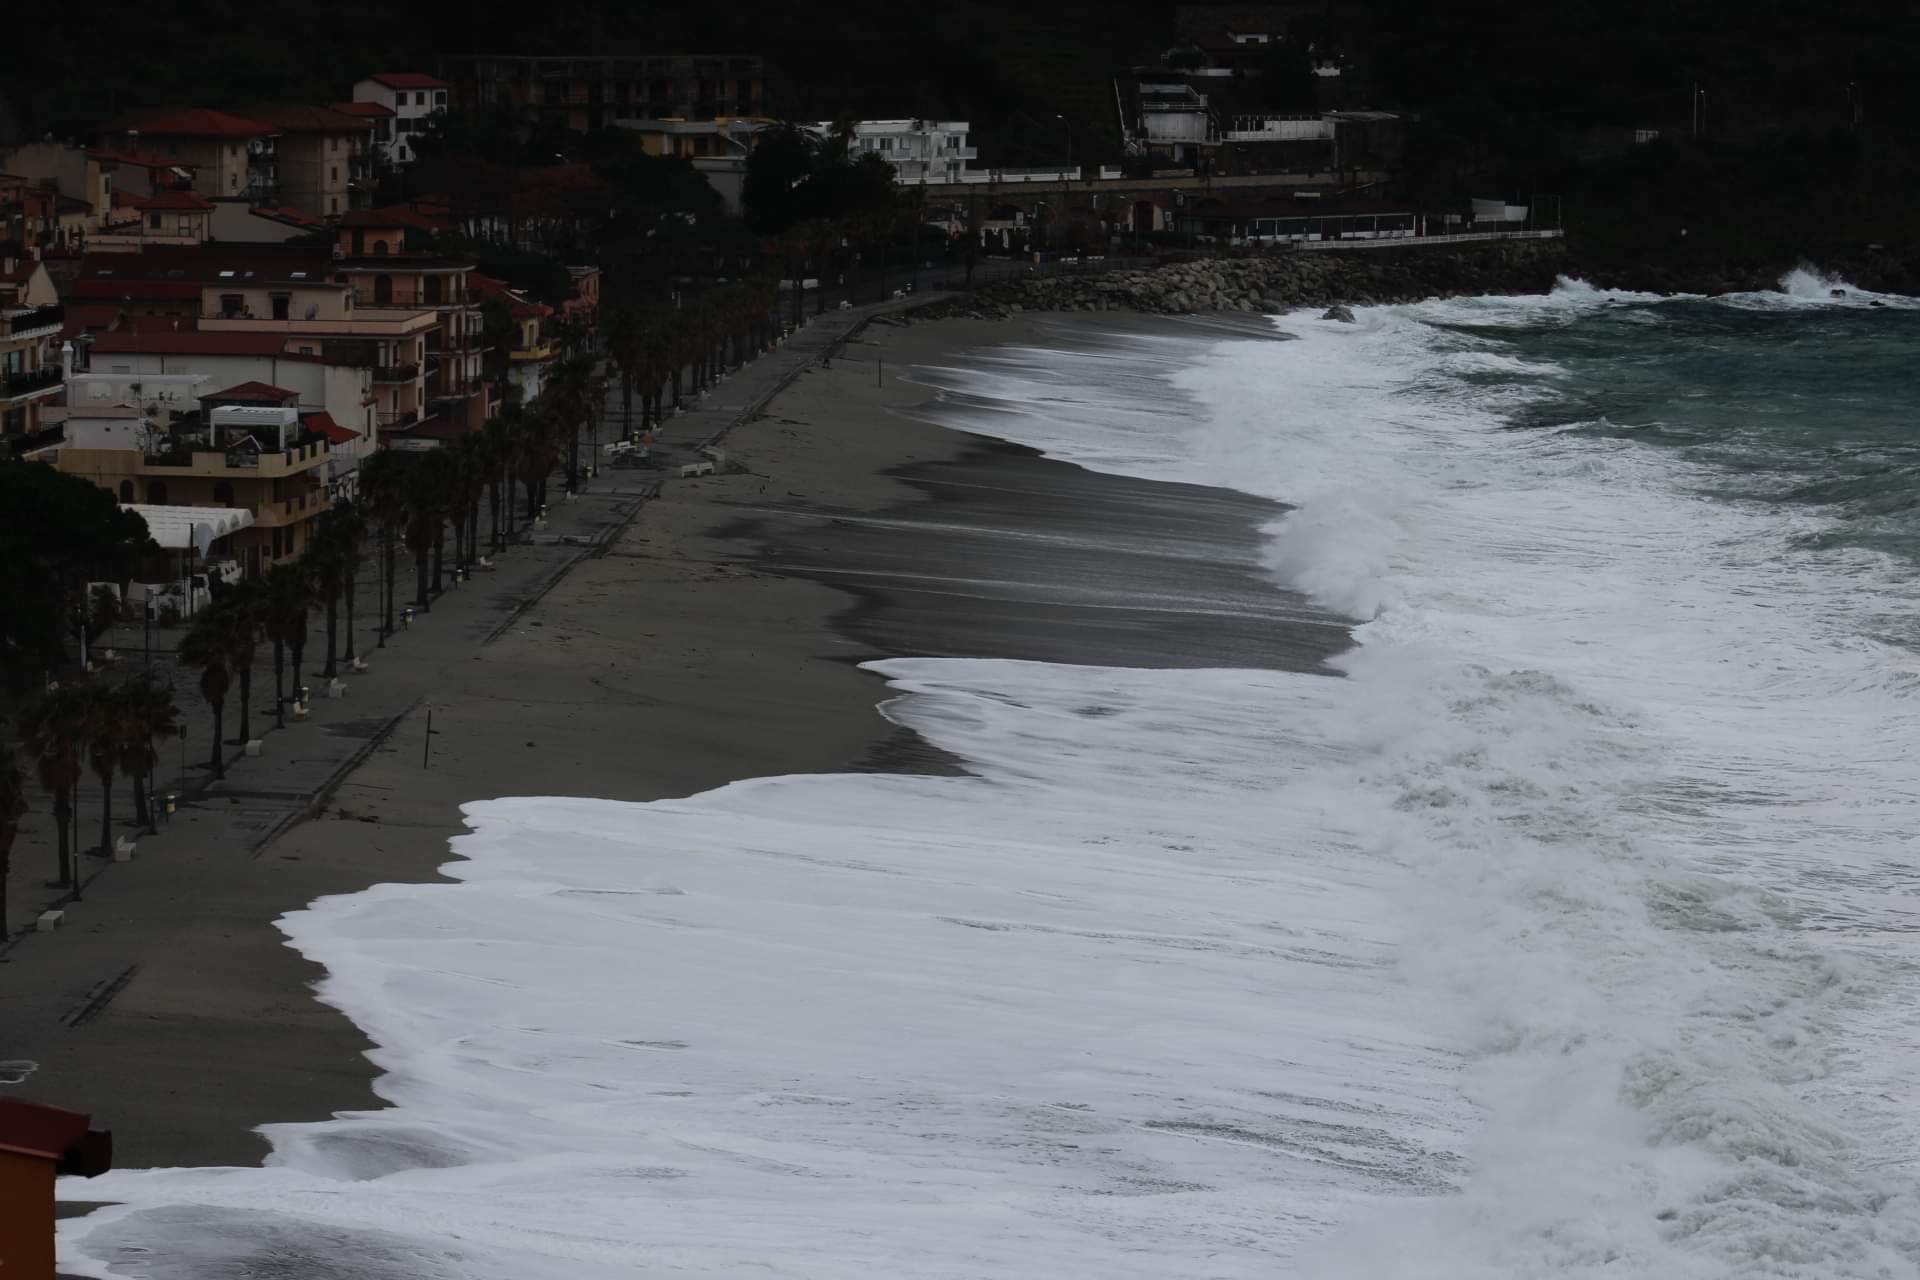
(1566, 936)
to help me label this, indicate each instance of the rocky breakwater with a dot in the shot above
(1275, 283)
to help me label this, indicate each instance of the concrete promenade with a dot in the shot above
(160, 970)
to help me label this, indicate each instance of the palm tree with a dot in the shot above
(13, 806)
(151, 714)
(427, 493)
(326, 562)
(56, 731)
(383, 487)
(288, 593)
(208, 646)
(247, 608)
(350, 532)
(108, 710)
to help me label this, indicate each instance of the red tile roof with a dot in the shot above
(173, 200)
(254, 391)
(202, 122)
(368, 218)
(363, 108)
(29, 1129)
(98, 290)
(294, 216)
(406, 80)
(323, 423)
(300, 117)
(146, 160)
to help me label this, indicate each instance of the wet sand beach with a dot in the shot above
(717, 638)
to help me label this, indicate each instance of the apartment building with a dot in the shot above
(30, 371)
(920, 151)
(229, 155)
(324, 158)
(371, 257)
(407, 102)
(588, 92)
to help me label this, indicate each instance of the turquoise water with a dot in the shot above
(1804, 401)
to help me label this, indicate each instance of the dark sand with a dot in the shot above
(717, 640)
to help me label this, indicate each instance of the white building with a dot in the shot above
(414, 100)
(920, 151)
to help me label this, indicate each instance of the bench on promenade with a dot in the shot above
(48, 921)
(692, 469)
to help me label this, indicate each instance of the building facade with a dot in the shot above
(229, 155)
(411, 101)
(324, 159)
(588, 92)
(920, 151)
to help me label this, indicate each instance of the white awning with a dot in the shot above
(180, 528)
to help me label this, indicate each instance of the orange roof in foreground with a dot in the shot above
(203, 122)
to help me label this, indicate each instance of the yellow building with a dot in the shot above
(251, 453)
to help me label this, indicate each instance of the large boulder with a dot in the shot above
(1338, 312)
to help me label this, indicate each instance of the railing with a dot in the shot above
(419, 302)
(539, 351)
(405, 418)
(25, 383)
(33, 318)
(397, 372)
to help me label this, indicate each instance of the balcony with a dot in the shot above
(18, 386)
(396, 372)
(405, 418)
(34, 322)
(526, 355)
(312, 452)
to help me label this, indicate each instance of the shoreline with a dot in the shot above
(681, 644)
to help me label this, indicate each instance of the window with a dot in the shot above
(223, 493)
(153, 220)
(231, 305)
(379, 248)
(420, 99)
(126, 491)
(156, 493)
(333, 204)
(439, 97)
(306, 351)
(333, 174)
(282, 306)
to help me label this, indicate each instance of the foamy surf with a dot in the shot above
(1566, 936)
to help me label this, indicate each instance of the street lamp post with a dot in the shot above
(1069, 124)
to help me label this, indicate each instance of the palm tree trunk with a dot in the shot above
(393, 563)
(214, 762)
(279, 685)
(142, 815)
(62, 820)
(332, 666)
(493, 514)
(106, 815)
(246, 699)
(348, 656)
(439, 554)
(626, 392)
(420, 579)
